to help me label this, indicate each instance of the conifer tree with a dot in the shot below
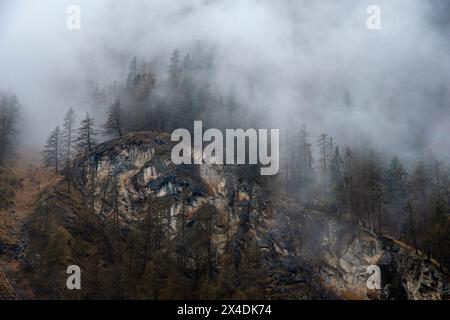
(52, 149)
(9, 117)
(85, 141)
(113, 125)
(67, 145)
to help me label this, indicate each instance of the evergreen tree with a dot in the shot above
(9, 117)
(132, 73)
(374, 191)
(85, 141)
(420, 189)
(175, 69)
(337, 186)
(303, 159)
(52, 149)
(396, 181)
(325, 144)
(114, 126)
(67, 145)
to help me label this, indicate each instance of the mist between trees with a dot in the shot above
(353, 181)
(9, 121)
(363, 120)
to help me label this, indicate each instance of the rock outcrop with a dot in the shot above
(347, 252)
(309, 253)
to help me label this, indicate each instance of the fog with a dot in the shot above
(316, 58)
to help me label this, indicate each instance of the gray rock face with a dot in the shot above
(311, 255)
(404, 273)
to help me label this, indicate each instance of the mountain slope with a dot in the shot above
(20, 187)
(141, 227)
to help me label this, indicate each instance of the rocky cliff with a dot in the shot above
(308, 254)
(346, 251)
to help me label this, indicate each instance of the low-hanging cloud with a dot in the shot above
(314, 59)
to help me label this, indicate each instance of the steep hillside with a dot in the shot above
(141, 227)
(8, 186)
(20, 188)
(8, 183)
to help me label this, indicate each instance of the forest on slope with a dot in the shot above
(408, 199)
(354, 182)
(363, 116)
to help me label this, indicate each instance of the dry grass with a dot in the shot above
(6, 291)
(24, 184)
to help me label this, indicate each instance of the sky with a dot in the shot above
(317, 58)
